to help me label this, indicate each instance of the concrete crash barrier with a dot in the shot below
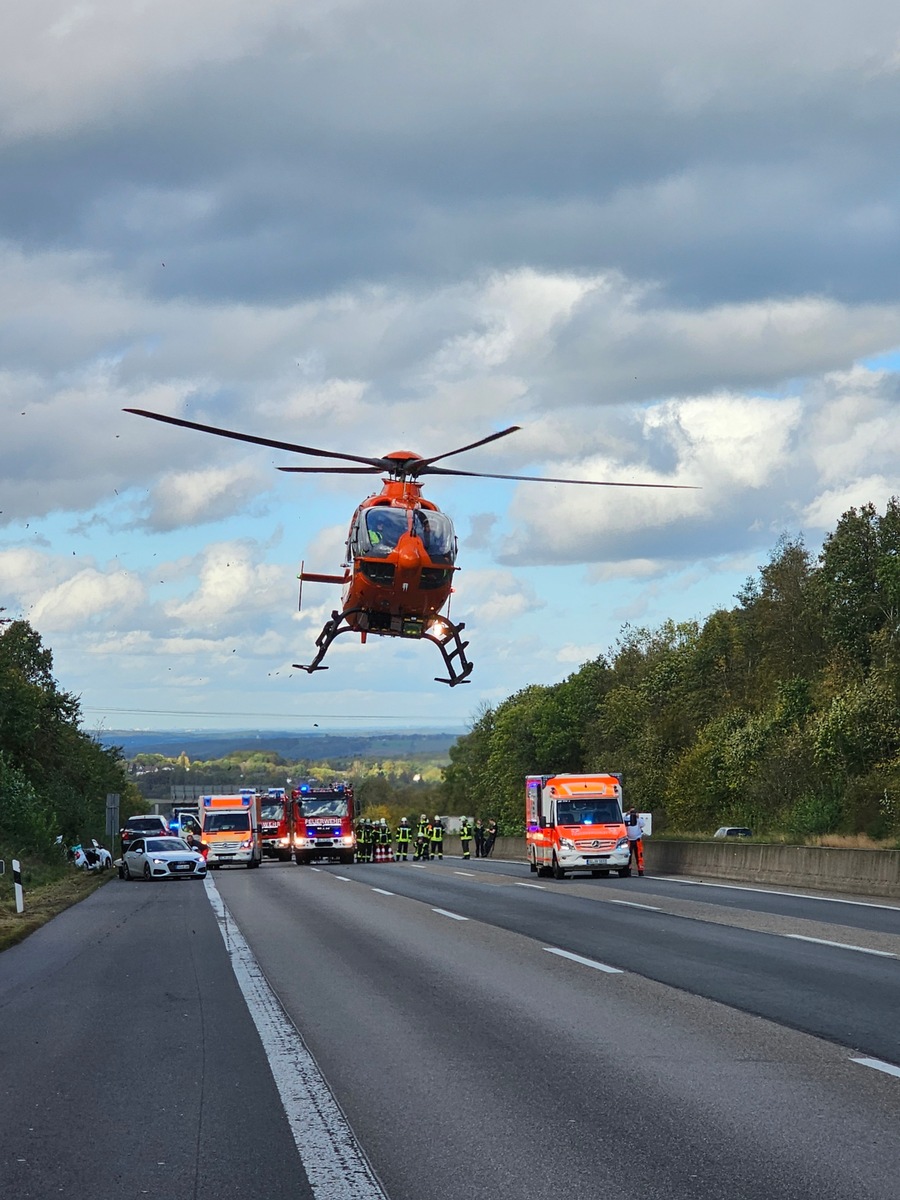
(825, 868)
(859, 872)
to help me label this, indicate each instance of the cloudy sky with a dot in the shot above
(661, 238)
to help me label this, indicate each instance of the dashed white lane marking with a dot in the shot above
(343, 878)
(539, 886)
(877, 1065)
(420, 866)
(382, 892)
(471, 874)
(444, 913)
(315, 868)
(840, 945)
(585, 962)
(335, 1165)
(633, 904)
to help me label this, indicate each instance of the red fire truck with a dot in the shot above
(324, 819)
(277, 824)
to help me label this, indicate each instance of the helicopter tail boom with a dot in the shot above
(316, 578)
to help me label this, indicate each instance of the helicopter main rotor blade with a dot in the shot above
(335, 470)
(492, 437)
(377, 464)
(548, 479)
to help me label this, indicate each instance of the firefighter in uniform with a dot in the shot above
(360, 840)
(368, 841)
(383, 834)
(404, 834)
(423, 832)
(465, 835)
(437, 838)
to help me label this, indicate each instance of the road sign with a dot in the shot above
(112, 814)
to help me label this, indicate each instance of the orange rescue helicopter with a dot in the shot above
(401, 549)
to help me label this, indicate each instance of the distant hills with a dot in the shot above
(292, 746)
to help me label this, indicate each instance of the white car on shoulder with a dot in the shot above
(161, 858)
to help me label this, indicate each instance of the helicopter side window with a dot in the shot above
(436, 531)
(384, 528)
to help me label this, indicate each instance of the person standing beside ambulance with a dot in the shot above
(478, 834)
(634, 827)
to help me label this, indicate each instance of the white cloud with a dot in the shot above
(825, 510)
(575, 654)
(493, 598)
(193, 497)
(88, 596)
(63, 62)
(233, 585)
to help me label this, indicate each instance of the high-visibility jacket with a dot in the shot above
(465, 832)
(404, 833)
(423, 829)
(437, 832)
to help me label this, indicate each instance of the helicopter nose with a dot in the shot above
(408, 555)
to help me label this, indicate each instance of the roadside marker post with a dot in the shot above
(17, 883)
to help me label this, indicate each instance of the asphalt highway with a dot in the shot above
(449, 1031)
(472, 1061)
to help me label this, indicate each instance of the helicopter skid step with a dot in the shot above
(458, 666)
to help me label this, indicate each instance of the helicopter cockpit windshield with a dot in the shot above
(436, 531)
(384, 528)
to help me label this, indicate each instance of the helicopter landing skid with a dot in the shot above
(451, 646)
(455, 657)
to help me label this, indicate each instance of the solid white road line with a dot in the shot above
(382, 892)
(585, 962)
(454, 916)
(877, 1065)
(335, 1165)
(737, 887)
(840, 945)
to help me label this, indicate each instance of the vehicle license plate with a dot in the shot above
(182, 866)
